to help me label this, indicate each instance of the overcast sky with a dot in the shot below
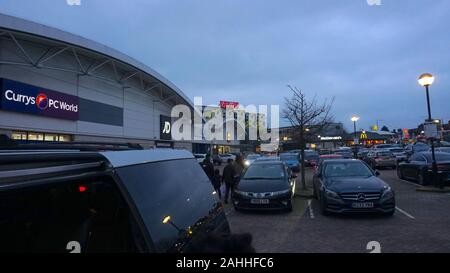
(367, 57)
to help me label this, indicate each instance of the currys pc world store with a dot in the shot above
(58, 86)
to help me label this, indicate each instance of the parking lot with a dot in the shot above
(420, 224)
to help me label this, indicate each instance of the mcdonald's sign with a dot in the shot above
(363, 135)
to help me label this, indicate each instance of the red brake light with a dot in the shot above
(82, 188)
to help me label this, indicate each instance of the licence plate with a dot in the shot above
(259, 201)
(362, 205)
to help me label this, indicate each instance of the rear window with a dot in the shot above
(81, 217)
(177, 190)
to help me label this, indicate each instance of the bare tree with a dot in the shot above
(308, 118)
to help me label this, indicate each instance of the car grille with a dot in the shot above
(355, 196)
(259, 194)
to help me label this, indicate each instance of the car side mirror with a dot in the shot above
(377, 173)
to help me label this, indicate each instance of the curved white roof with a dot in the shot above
(33, 28)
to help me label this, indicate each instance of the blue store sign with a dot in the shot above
(25, 98)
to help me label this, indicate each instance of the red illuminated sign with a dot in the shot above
(231, 104)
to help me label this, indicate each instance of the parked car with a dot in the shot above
(250, 159)
(399, 154)
(311, 158)
(346, 152)
(200, 157)
(292, 160)
(225, 157)
(443, 149)
(362, 153)
(415, 148)
(381, 159)
(265, 185)
(327, 157)
(217, 159)
(382, 146)
(109, 201)
(349, 185)
(419, 167)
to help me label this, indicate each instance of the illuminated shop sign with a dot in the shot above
(29, 99)
(330, 138)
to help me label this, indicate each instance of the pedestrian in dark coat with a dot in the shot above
(228, 178)
(217, 182)
(208, 167)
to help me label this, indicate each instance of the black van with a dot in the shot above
(156, 200)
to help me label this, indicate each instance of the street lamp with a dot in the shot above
(354, 119)
(426, 80)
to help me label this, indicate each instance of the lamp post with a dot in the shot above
(426, 80)
(355, 119)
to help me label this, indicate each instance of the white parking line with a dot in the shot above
(311, 212)
(409, 182)
(405, 213)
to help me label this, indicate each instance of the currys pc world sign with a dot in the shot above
(25, 98)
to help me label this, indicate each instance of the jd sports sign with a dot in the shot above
(29, 99)
(165, 126)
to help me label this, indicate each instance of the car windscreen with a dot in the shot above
(343, 169)
(286, 157)
(396, 150)
(252, 157)
(265, 171)
(177, 190)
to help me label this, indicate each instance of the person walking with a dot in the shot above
(228, 177)
(217, 182)
(239, 167)
(208, 167)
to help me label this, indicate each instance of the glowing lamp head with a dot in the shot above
(355, 118)
(166, 219)
(426, 79)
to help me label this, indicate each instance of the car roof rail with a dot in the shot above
(74, 145)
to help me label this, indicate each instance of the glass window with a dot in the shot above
(265, 171)
(417, 157)
(64, 138)
(173, 197)
(86, 216)
(339, 169)
(51, 137)
(35, 136)
(19, 135)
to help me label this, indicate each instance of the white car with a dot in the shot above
(200, 157)
(250, 159)
(225, 157)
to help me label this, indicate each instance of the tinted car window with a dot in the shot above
(81, 216)
(178, 189)
(417, 157)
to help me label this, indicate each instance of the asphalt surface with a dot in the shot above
(420, 224)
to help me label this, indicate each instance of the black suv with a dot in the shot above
(156, 200)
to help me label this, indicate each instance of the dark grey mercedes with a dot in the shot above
(350, 185)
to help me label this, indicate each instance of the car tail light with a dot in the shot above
(82, 188)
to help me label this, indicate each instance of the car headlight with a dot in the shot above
(247, 163)
(388, 193)
(332, 194)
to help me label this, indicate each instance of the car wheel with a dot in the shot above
(400, 173)
(421, 179)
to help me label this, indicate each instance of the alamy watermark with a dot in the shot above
(374, 2)
(214, 123)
